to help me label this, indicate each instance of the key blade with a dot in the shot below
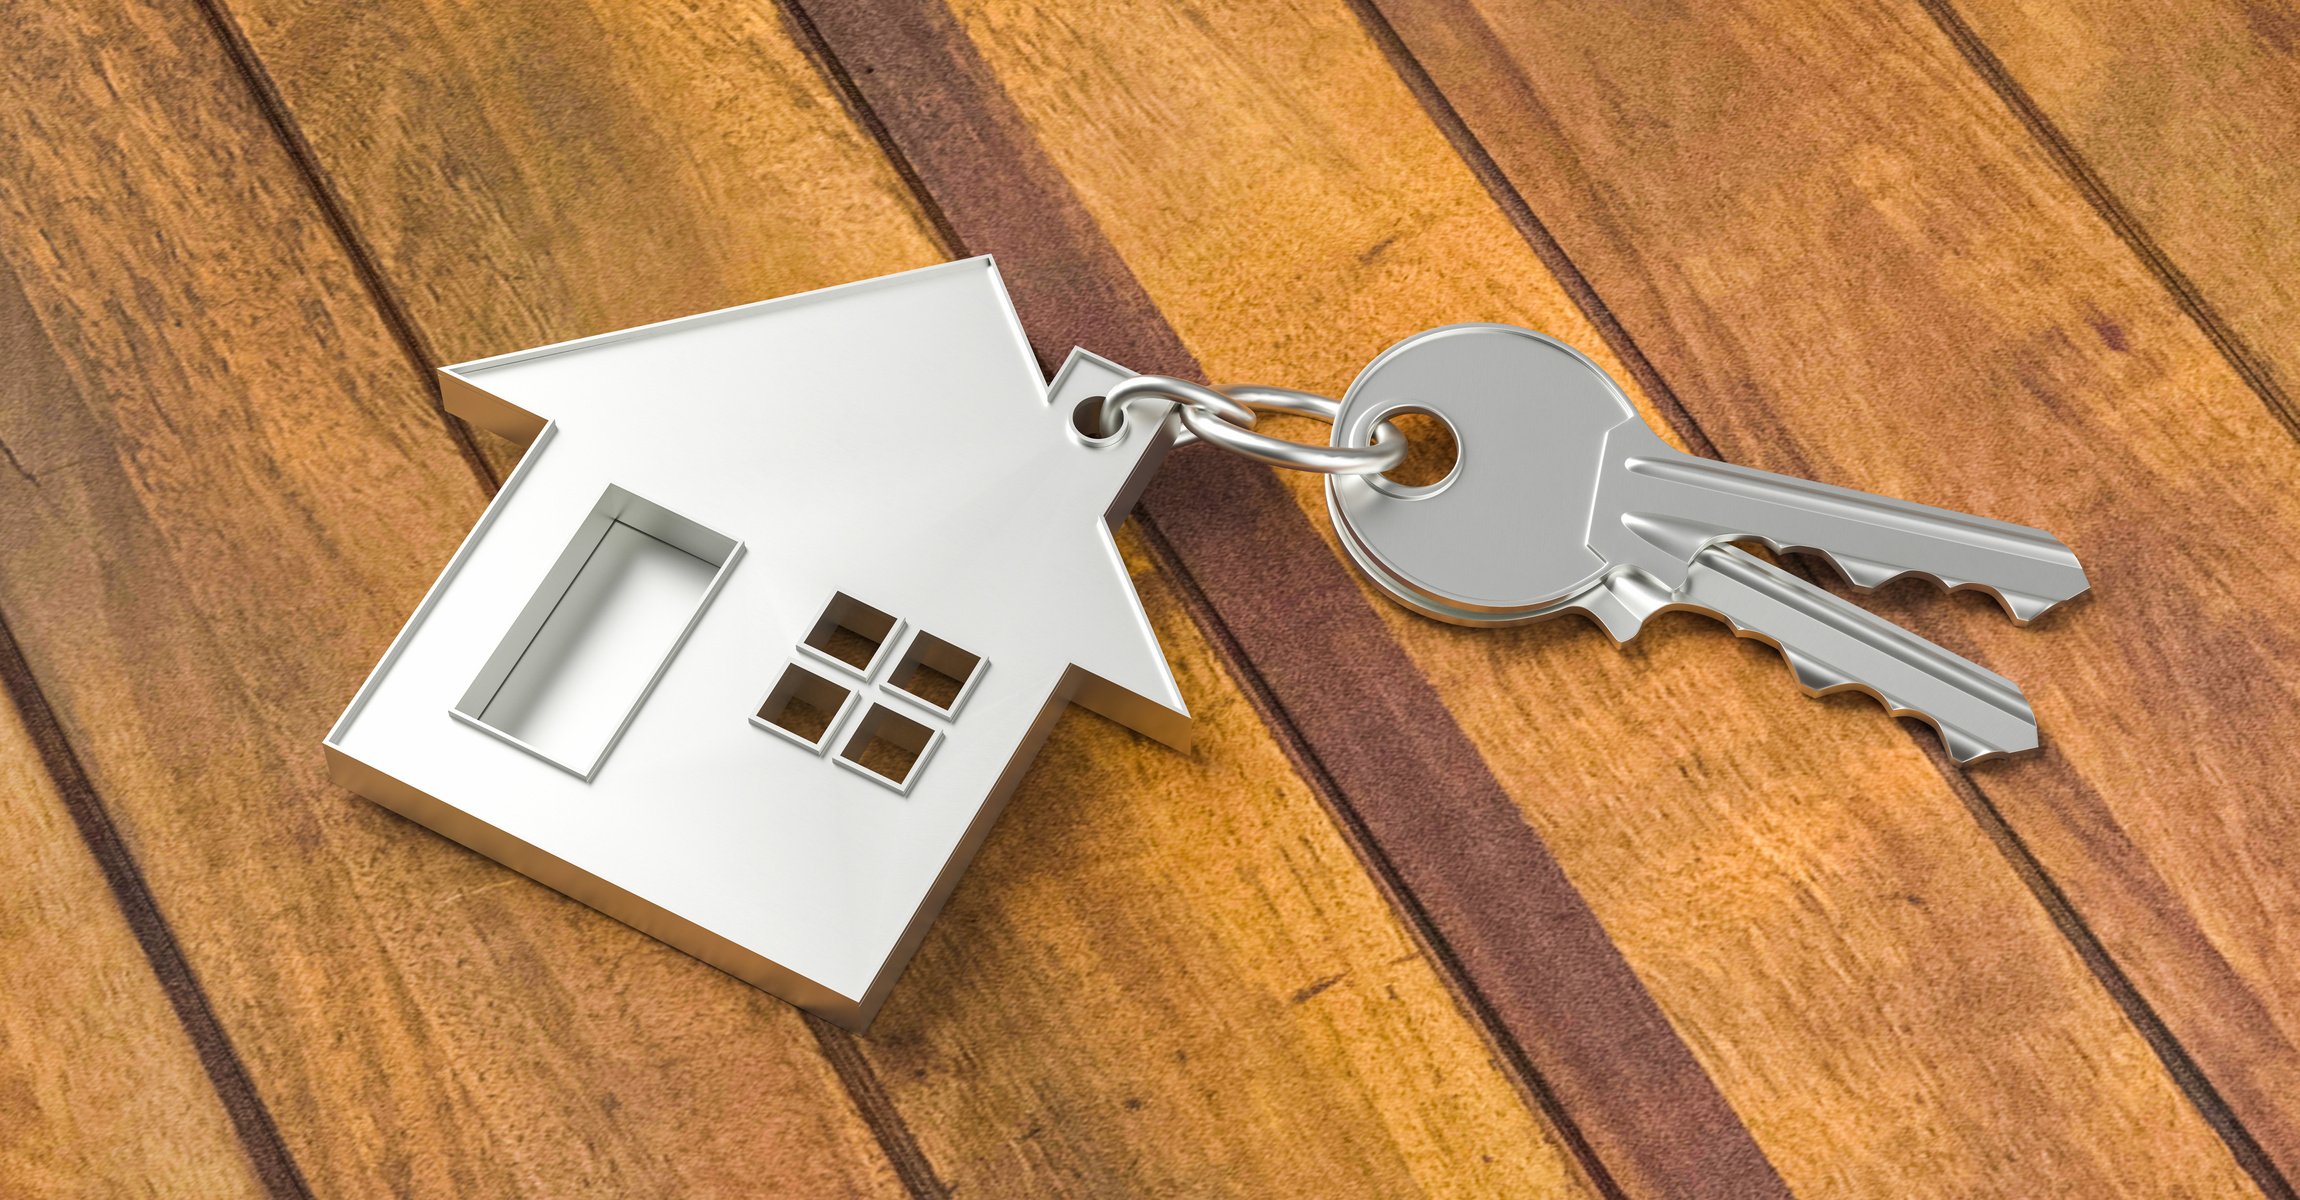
(1669, 497)
(1834, 646)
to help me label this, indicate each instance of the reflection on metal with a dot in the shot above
(753, 646)
(1563, 500)
(582, 655)
(859, 510)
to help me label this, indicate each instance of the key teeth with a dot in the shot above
(1622, 604)
(1852, 649)
(2025, 609)
(1817, 680)
(1814, 679)
(1966, 749)
(1869, 575)
(1864, 573)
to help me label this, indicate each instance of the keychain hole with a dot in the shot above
(1433, 454)
(1086, 421)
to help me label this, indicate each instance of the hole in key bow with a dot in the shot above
(1432, 451)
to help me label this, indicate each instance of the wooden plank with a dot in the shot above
(1515, 937)
(2180, 123)
(1853, 262)
(100, 1084)
(221, 506)
(1780, 872)
(1168, 976)
(1301, 1045)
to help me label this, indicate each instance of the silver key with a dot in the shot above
(1562, 500)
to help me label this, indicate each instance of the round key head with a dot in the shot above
(1504, 537)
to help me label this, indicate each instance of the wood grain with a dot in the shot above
(99, 1086)
(997, 1052)
(1517, 941)
(1780, 872)
(1830, 242)
(2181, 124)
(1853, 262)
(222, 505)
(1169, 977)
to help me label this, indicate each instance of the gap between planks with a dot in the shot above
(251, 1119)
(1723, 1156)
(2072, 166)
(265, 92)
(2185, 1072)
(259, 1137)
(1384, 873)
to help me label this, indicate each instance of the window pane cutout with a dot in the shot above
(851, 636)
(889, 747)
(805, 707)
(587, 648)
(936, 674)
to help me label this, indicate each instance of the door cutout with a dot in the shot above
(573, 669)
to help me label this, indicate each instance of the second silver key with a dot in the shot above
(1562, 499)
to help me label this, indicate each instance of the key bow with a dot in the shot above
(1566, 501)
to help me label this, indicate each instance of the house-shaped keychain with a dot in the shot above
(754, 644)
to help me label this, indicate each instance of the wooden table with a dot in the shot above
(1428, 910)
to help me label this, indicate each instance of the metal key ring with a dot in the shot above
(1181, 391)
(1211, 416)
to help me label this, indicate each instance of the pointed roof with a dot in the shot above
(905, 411)
(891, 441)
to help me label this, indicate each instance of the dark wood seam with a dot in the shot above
(2232, 347)
(1529, 225)
(854, 1072)
(826, 62)
(878, 1110)
(1737, 1158)
(290, 137)
(2185, 1072)
(251, 1120)
(1256, 689)
(1367, 847)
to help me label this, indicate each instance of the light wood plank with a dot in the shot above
(1168, 976)
(1113, 1004)
(100, 1089)
(1551, 988)
(2188, 116)
(1849, 956)
(220, 511)
(1855, 263)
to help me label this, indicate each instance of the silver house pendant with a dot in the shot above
(753, 646)
(755, 643)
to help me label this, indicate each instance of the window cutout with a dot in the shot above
(584, 653)
(851, 635)
(804, 707)
(936, 673)
(889, 747)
